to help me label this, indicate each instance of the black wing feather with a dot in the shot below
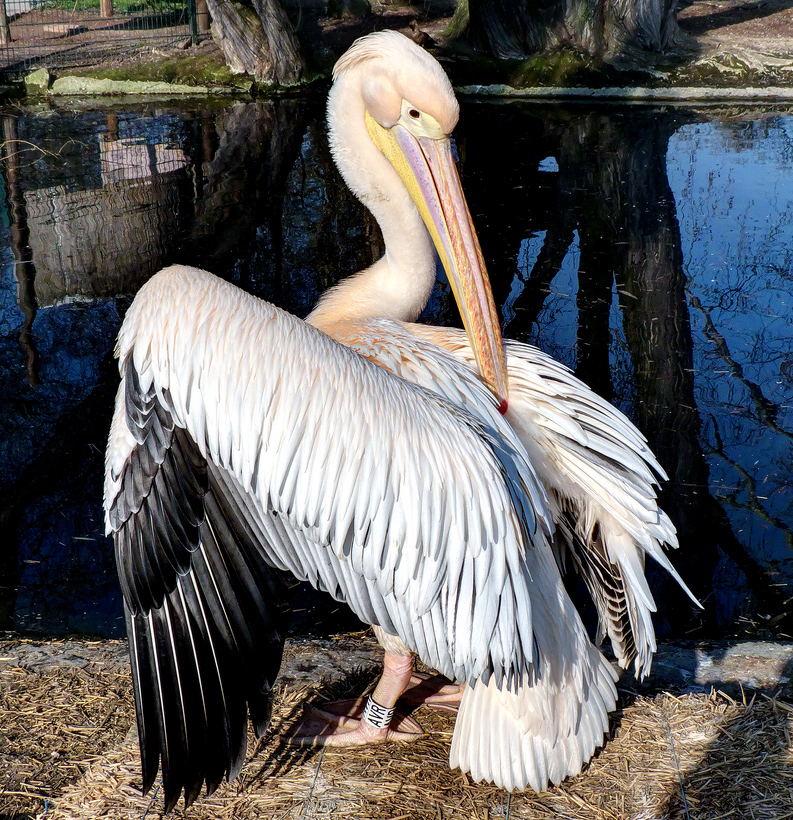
(145, 701)
(603, 581)
(206, 615)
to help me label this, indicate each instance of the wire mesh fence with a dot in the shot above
(60, 33)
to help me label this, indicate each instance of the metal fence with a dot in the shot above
(59, 33)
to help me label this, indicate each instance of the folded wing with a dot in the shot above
(601, 479)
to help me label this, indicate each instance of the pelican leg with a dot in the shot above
(353, 726)
(433, 690)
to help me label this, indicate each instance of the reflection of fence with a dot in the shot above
(97, 241)
(125, 160)
(59, 33)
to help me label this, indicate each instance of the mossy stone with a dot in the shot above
(38, 81)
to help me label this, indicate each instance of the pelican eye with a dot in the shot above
(419, 123)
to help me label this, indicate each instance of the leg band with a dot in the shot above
(377, 715)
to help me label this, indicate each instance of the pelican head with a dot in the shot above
(392, 94)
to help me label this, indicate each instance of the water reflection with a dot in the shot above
(735, 206)
(648, 249)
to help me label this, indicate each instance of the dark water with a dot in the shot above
(649, 249)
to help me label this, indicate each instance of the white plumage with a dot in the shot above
(368, 456)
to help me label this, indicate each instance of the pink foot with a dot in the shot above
(342, 723)
(434, 691)
(339, 724)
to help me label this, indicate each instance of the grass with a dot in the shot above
(119, 6)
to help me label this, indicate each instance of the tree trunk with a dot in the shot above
(247, 155)
(5, 31)
(258, 39)
(605, 29)
(202, 16)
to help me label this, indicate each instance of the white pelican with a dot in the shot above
(368, 455)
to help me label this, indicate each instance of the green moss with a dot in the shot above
(189, 68)
(566, 67)
(586, 15)
(458, 25)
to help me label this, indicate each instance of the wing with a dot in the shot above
(601, 478)
(244, 438)
(206, 616)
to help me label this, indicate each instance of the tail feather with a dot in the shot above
(540, 734)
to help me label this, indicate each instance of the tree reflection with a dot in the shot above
(24, 269)
(597, 181)
(272, 212)
(246, 154)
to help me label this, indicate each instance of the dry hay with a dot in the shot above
(59, 711)
(726, 758)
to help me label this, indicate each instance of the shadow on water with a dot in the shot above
(585, 222)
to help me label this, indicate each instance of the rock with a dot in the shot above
(38, 81)
(48, 657)
(72, 86)
(751, 665)
(43, 661)
(726, 666)
(675, 94)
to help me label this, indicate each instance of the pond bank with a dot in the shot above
(712, 725)
(685, 94)
(734, 50)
